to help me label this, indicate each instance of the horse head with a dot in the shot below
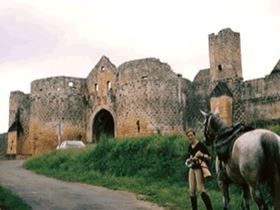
(210, 126)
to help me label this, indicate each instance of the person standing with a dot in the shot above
(197, 156)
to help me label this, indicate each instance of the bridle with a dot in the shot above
(208, 131)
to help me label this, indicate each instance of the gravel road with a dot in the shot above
(43, 193)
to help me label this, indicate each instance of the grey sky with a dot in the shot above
(63, 37)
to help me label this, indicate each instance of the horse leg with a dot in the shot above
(223, 182)
(246, 198)
(276, 190)
(224, 186)
(257, 195)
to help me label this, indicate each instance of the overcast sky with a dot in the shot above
(40, 39)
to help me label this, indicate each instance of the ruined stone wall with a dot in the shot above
(261, 98)
(201, 99)
(20, 102)
(198, 99)
(187, 94)
(262, 87)
(149, 99)
(3, 144)
(101, 84)
(58, 107)
(101, 93)
(236, 87)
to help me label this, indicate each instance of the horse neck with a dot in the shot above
(218, 125)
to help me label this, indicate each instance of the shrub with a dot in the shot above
(153, 157)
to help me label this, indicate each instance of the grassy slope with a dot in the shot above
(8, 200)
(153, 167)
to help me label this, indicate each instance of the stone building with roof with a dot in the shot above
(138, 98)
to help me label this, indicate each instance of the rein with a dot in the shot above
(223, 136)
(220, 135)
(217, 127)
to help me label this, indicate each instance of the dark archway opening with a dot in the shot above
(103, 126)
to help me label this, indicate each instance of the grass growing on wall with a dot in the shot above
(152, 167)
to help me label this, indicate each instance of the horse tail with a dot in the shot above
(270, 143)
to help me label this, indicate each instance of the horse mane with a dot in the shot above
(217, 123)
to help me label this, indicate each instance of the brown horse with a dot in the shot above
(248, 158)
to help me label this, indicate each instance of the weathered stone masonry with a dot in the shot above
(140, 97)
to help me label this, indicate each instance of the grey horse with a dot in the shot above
(249, 158)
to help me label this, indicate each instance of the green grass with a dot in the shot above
(153, 167)
(9, 200)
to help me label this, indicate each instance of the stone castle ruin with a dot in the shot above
(140, 97)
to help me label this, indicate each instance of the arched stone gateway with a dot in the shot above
(103, 126)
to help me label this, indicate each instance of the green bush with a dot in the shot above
(155, 157)
(275, 128)
(260, 123)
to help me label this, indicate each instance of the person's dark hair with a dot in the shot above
(190, 130)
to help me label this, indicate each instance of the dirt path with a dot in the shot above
(44, 193)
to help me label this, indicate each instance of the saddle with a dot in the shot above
(225, 139)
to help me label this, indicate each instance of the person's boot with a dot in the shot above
(206, 201)
(194, 202)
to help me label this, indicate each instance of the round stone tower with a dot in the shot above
(57, 112)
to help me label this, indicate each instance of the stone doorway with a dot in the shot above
(103, 126)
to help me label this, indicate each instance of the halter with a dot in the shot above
(208, 131)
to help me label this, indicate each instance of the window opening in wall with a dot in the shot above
(109, 85)
(144, 77)
(96, 87)
(70, 84)
(102, 68)
(220, 67)
(138, 125)
(158, 132)
(41, 89)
